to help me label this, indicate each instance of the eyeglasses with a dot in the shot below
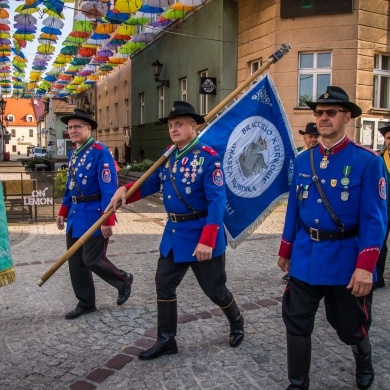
(76, 127)
(331, 113)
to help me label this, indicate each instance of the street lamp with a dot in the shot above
(3, 104)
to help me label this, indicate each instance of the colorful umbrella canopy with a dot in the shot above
(53, 22)
(93, 9)
(128, 6)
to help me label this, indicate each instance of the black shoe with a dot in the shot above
(79, 311)
(159, 349)
(124, 293)
(286, 276)
(380, 284)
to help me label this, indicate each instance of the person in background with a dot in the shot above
(91, 183)
(380, 265)
(7, 272)
(194, 196)
(311, 136)
(335, 225)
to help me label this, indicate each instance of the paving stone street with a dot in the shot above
(42, 350)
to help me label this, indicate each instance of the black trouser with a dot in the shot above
(91, 257)
(380, 265)
(348, 315)
(210, 274)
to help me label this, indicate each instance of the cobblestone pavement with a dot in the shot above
(39, 349)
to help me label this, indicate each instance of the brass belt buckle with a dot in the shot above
(314, 234)
(74, 199)
(173, 217)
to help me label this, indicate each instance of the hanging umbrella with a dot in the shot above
(50, 37)
(69, 50)
(137, 21)
(93, 9)
(179, 6)
(86, 51)
(25, 27)
(53, 13)
(82, 25)
(116, 17)
(159, 3)
(117, 61)
(23, 9)
(80, 61)
(126, 30)
(53, 22)
(44, 57)
(46, 49)
(173, 14)
(50, 78)
(51, 30)
(143, 37)
(151, 10)
(79, 34)
(39, 67)
(24, 37)
(100, 59)
(128, 6)
(4, 27)
(193, 3)
(25, 19)
(105, 28)
(105, 53)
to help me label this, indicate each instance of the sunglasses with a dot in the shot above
(331, 113)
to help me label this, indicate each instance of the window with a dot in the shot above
(203, 98)
(294, 8)
(315, 71)
(161, 101)
(100, 117)
(183, 89)
(141, 108)
(116, 115)
(108, 120)
(29, 118)
(10, 118)
(13, 132)
(382, 81)
(255, 66)
(126, 114)
(31, 133)
(13, 148)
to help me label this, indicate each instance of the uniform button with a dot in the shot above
(173, 231)
(323, 181)
(316, 221)
(169, 196)
(319, 200)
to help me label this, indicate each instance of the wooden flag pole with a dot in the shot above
(284, 49)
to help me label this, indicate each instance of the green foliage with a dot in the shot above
(303, 99)
(60, 183)
(33, 161)
(137, 167)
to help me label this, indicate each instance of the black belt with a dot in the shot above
(187, 217)
(85, 198)
(321, 235)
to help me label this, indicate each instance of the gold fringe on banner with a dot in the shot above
(7, 276)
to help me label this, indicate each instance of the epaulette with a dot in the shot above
(97, 145)
(209, 150)
(365, 148)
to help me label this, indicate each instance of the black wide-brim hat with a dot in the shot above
(337, 96)
(311, 128)
(80, 114)
(181, 108)
(384, 130)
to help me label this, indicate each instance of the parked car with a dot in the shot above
(38, 153)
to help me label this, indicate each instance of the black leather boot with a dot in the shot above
(236, 321)
(166, 331)
(364, 368)
(298, 361)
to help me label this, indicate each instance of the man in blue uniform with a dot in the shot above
(331, 252)
(193, 187)
(380, 265)
(311, 136)
(91, 182)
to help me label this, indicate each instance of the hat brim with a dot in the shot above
(66, 119)
(198, 118)
(352, 107)
(384, 130)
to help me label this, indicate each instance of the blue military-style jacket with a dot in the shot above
(93, 174)
(199, 178)
(353, 179)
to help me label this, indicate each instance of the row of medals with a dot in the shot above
(80, 164)
(196, 169)
(344, 181)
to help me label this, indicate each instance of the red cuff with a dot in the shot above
(209, 235)
(137, 194)
(367, 259)
(64, 211)
(110, 220)
(285, 249)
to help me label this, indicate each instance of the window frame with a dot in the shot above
(379, 74)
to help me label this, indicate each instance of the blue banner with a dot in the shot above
(254, 140)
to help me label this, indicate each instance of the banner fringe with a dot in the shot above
(7, 276)
(235, 242)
